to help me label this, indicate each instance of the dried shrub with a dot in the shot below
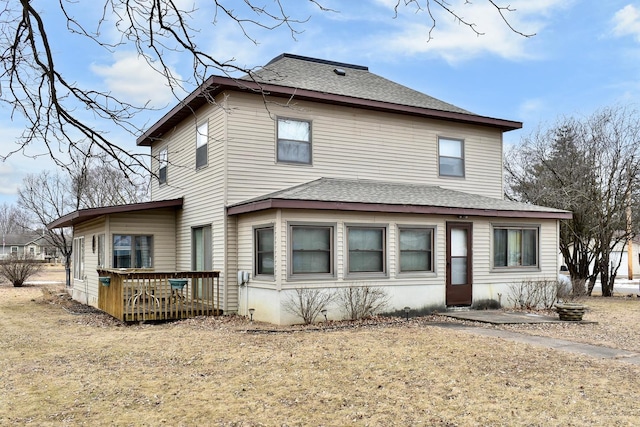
(486, 304)
(17, 268)
(534, 294)
(308, 303)
(360, 302)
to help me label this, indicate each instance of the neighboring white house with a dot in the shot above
(318, 174)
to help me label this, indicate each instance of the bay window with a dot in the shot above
(264, 259)
(311, 250)
(366, 247)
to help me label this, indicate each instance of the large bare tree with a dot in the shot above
(13, 219)
(91, 183)
(63, 115)
(589, 166)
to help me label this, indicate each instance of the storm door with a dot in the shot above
(459, 287)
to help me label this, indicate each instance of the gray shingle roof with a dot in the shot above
(389, 193)
(318, 75)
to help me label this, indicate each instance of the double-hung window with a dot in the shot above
(515, 247)
(416, 249)
(311, 250)
(294, 141)
(451, 157)
(202, 138)
(132, 251)
(78, 258)
(367, 249)
(264, 259)
(163, 162)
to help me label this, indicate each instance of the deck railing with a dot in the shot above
(133, 295)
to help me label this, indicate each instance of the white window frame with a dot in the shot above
(295, 141)
(78, 258)
(385, 253)
(515, 266)
(163, 165)
(257, 271)
(409, 227)
(441, 156)
(202, 143)
(331, 274)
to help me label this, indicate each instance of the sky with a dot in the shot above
(585, 55)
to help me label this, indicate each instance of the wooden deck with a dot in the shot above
(134, 296)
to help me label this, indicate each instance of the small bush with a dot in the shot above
(422, 311)
(486, 304)
(17, 268)
(533, 294)
(308, 303)
(360, 302)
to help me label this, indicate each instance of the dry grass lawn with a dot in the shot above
(60, 368)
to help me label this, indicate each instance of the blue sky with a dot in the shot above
(585, 55)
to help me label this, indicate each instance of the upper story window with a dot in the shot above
(132, 251)
(311, 250)
(451, 157)
(367, 249)
(202, 137)
(416, 249)
(515, 246)
(264, 259)
(163, 162)
(294, 141)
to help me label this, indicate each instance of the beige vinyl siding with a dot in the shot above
(354, 143)
(159, 223)
(203, 190)
(484, 274)
(483, 249)
(86, 291)
(339, 220)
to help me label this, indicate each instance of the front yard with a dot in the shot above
(60, 366)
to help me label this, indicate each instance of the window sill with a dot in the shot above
(412, 274)
(263, 278)
(515, 269)
(359, 276)
(304, 278)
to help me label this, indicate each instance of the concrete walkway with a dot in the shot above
(500, 317)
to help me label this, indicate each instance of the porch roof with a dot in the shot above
(83, 215)
(377, 196)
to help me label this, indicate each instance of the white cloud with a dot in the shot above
(130, 78)
(531, 109)
(626, 22)
(455, 41)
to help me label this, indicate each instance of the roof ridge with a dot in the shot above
(317, 60)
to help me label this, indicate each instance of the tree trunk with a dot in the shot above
(67, 269)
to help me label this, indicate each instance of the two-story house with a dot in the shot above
(318, 174)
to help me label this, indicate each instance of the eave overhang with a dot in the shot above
(390, 208)
(84, 215)
(217, 84)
